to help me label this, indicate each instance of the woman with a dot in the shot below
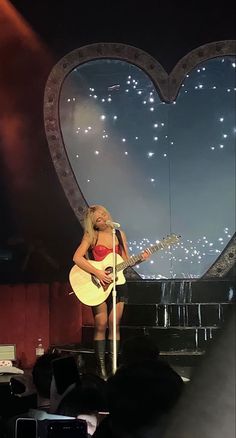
(97, 244)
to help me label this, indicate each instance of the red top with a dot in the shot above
(101, 251)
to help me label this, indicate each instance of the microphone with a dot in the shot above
(113, 224)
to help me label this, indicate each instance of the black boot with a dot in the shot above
(100, 350)
(111, 354)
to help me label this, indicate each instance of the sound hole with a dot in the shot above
(109, 270)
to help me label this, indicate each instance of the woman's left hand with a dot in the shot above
(145, 254)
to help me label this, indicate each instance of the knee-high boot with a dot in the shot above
(100, 350)
(111, 353)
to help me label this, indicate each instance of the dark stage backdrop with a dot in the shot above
(34, 209)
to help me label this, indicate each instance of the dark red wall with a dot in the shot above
(28, 312)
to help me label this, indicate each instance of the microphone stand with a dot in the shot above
(114, 361)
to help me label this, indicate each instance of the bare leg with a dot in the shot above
(119, 313)
(100, 326)
(100, 321)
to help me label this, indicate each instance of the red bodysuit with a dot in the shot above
(100, 252)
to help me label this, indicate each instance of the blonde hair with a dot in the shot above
(89, 223)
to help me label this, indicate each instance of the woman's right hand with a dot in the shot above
(103, 277)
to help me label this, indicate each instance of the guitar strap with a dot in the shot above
(120, 240)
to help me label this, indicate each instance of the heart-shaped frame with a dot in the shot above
(168, 87)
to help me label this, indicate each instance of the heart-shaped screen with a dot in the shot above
(159, 166)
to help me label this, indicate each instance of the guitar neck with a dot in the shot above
(132, 261)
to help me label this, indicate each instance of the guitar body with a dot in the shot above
(86, 286)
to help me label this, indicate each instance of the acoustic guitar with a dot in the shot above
(88, 288)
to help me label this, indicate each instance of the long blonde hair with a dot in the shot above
(89, 228)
